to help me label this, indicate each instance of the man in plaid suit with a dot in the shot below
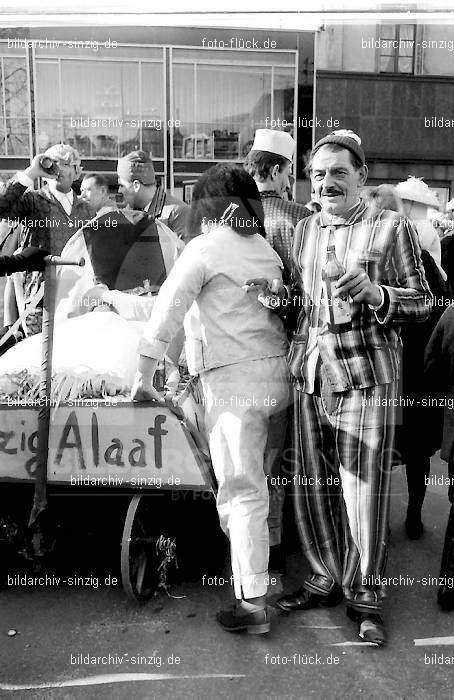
(345, 384)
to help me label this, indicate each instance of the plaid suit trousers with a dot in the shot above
(343, 449)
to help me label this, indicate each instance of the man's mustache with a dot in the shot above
(327, 193)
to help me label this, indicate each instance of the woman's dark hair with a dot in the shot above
(218, 188)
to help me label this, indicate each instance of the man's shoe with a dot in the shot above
(302, 599)
(445, 598)
(370, 626)
(238, 620)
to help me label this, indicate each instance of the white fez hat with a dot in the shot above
(274, 141)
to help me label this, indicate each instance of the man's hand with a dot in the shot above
(357, 285)
(35, 170)
(30, 259)
(94, 297)
(270, 295)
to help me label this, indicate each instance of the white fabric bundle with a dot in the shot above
(94, 355)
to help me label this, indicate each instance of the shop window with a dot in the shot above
(119, 109)
(218, 107)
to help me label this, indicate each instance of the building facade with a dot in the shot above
(191, 97)
(393, 85)
(194, 96)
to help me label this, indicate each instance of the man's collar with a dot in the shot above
(106, 209)
(351, 216)
(48, 193)
(264, 194)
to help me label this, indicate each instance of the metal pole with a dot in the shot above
(45, 392)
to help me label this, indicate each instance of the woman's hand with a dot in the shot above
(270, 295)
(142, 387)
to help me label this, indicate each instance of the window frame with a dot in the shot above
(395, 55)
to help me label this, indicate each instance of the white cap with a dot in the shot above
(416, 190)
(274, 141)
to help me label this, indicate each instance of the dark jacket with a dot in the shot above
(419, 425)
(447, 260)
(45, 223)
(439, 374)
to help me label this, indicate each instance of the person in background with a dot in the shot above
(137, 184)
(236, 344)
(345, 380)
(417, 201)
(49, 215)
(52, 213)
(94, 191)
(313, 204)
(270, 162)
(418, 432)
(175, 214)
(447, 246)
(439, 375)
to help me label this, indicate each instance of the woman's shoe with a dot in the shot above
(238, 620)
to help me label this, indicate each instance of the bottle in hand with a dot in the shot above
(340, 315)
(48, 165)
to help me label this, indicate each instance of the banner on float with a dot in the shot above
(97, 444)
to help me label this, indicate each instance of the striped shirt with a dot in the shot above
(281, 217)
(368, 354)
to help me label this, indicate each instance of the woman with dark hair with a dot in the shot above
(216, 190)
(222, 288)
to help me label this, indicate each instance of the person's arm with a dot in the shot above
(128, 306)
(177, 221)
(407, 297)
(15, 204)
(30, 259)
(176, 295)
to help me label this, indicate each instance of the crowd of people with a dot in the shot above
(292, 357)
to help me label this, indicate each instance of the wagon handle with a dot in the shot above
(45, 390)
(58, 260)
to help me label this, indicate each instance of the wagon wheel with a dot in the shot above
(139, 563)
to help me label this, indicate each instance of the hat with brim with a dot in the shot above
(280, 143)
(415, 190)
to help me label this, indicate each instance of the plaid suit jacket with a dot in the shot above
(368, 354)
